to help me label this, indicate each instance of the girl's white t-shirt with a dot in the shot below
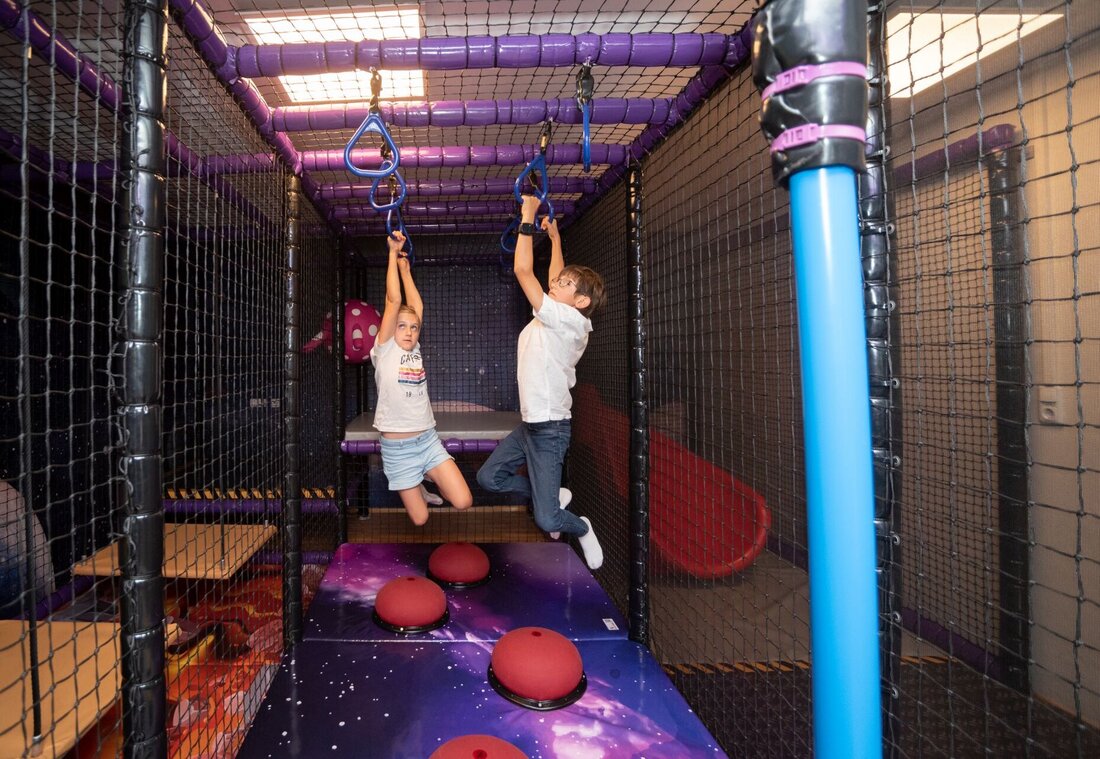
(549, 348)
(403, 404)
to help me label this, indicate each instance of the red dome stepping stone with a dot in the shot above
(477, 747)
(459, 565)
(537, 668)
(410, 605)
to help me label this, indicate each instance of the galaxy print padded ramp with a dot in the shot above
(390, 700)
(530, 585)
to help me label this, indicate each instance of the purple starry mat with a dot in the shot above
(531, 584)
(391, 700)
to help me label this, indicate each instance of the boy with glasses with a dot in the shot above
(549, 348)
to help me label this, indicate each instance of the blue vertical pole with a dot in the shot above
(837, 420)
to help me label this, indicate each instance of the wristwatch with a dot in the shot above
(527, 228)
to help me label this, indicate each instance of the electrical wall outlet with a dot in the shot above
(1056, 405)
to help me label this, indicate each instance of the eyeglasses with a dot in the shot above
(564, 281)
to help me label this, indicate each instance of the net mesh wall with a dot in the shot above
(724, 424)
(222, 384)
(598, 468)
(58, 465)
(318, 370)
(996, 358)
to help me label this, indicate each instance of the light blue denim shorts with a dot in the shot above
(406, 461)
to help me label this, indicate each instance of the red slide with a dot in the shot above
(703, 520)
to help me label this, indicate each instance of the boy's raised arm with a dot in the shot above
(393, 291)
(557, 260)
(524, 265)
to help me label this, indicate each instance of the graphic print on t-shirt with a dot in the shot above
(411, 371)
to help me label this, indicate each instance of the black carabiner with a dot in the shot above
(544, 136)
(375, 89)
(586, 85)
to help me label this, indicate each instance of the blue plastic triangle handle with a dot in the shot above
(373, 123)
(393, 203)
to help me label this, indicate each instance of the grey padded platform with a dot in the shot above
(451, 425)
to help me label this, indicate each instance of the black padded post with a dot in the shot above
(639, 414)
(137, 378)
(292, 424)
(877, 253)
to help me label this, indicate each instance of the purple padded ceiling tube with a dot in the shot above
(443, 209)
(198, 23)
(427, 188)
(51, 45)
(462, 155)
(430, 228)
(452, 113)
(99, 85)
(467, 53)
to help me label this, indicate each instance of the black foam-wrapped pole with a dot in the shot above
(806, 60)
(340, 421)
(878, 255)
(639, 414)
(137, 378)
(292, 422)
(1011, 338)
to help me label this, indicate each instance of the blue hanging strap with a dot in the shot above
(509, 237)
(537, 174)
(391, 158)
(586, 85)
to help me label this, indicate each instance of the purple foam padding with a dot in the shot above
(452, 113)
(539, 584)
(693, 94)
(197, 21)
(965, 150)
(453, 445)
(955, 644)
(468, 53)
(435, 188)
(100, 86)
(461, 155)
(182, 155)
(445, 209)
(433, 228)
(308, 557)
(43, 40)
(241, 163)
(12, 144)
(244, 506)
(407, 699)
(62, 596)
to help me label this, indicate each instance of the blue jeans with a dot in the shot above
(542, 446)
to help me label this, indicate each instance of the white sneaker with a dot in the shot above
(565, 496)
(430, 497)
(593, 554)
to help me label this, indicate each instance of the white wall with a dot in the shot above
(1028, 85)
